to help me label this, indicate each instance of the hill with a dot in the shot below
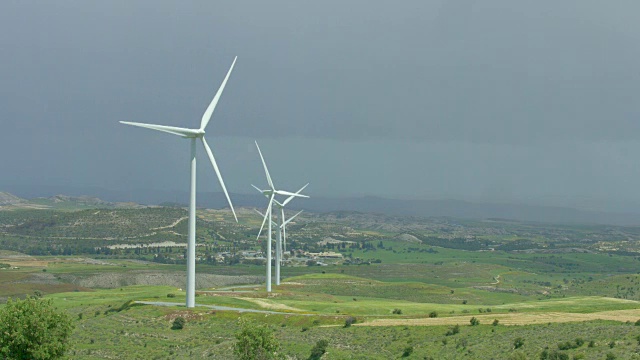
(9, 199)
(369, 204)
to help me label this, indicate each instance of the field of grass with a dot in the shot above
(109, 324)
(403, 294)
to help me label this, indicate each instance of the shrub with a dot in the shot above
(464, 302)
(318, 350)
(349, 321)
(610, 356)
(593, 343)
(33, 329)
(474, 321)
(454, 330)
(407, 351)
(579, 342)
(397, 311)
(553, 355)
(178, 323)
(256, 342)
(495, 322)
(518, 342)
(171, 295)
(433, 314)
(612, 343)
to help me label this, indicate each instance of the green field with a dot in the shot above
(407, 282)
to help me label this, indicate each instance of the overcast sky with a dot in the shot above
(504, 101)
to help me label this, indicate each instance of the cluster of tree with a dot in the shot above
(33, 329)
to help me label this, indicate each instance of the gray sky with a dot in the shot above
(504, 101)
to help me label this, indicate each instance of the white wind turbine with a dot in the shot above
(271, 193)
(194, 134)
(281, 235)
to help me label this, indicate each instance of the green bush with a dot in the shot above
(33, 329)
(474, 321)
(318, 350)
(349, 321)
(553, 355)
(495, 322)
(178, 323)
(407, 351)
(454, 330)
(433, 314)
(256, 342)
(397, 311)
(518, 342)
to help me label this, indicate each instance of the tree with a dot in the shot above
(33, 329)
(256, 342)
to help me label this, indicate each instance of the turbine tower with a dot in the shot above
(193, 135)
(270, 193)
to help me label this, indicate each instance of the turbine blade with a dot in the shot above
(293, 217)
(259, 213)
(215, 168)
(259, 190)
(266, 171)
(291, 197)
(287, 193)
(266, 214)
(168, 129)
(284, 233)
(212, 106)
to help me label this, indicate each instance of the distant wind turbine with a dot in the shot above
(281, 235)
(271, 192)
(194, 134)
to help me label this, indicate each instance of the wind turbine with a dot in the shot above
(281, 237)
(195, 134)
(271, 193)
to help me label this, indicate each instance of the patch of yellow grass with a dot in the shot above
(269, 305)
(512, 318)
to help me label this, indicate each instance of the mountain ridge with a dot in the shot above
(367, 204)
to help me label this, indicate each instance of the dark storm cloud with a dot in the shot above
(496, 71)
(485, 100)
